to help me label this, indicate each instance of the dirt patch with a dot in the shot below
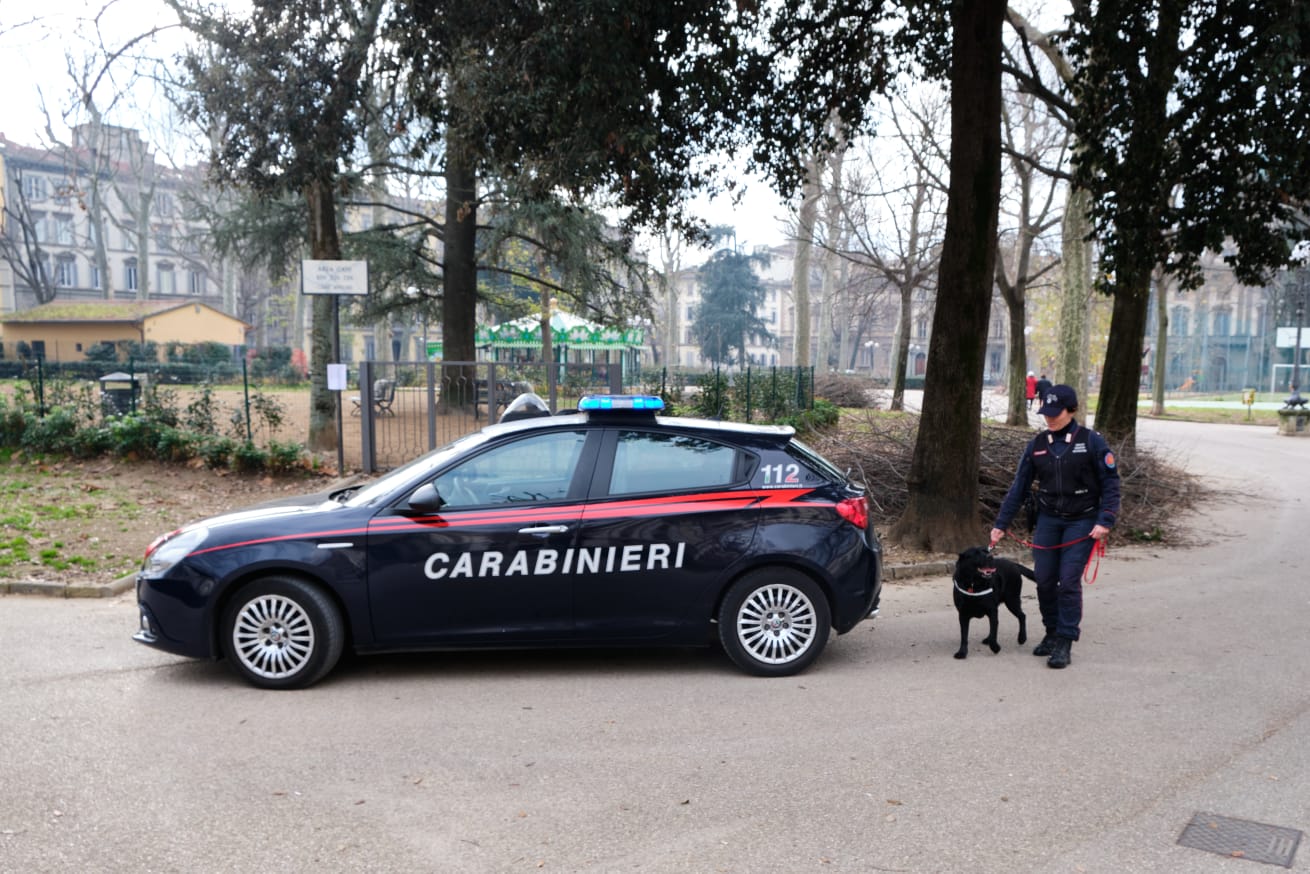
(89, 522)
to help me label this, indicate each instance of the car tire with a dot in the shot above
(282, 633)
(774, 622)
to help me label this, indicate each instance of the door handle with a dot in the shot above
(544, 529)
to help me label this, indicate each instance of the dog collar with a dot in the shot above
(970, 593)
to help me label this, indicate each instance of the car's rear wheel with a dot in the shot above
(774, 622)
(282, 633)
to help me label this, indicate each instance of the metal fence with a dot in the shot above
(406, 408)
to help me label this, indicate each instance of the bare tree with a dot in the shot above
(807, 216)
(896, 216)
(1030, 140)
(1072, 350)
(22, 234)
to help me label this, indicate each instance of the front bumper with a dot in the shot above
(174, 617)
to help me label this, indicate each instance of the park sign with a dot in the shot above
(334, 277)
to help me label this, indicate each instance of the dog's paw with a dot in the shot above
(1023, 637)
(962, 654)
(993, 645)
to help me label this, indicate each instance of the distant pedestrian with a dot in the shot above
(1030, 388)
(1043, 389)
(1077, 497)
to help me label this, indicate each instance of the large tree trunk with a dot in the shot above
(1017, 378)
(942, 512)
(1116, 414)
(459, 300)
(901, 354)
(324, 245)
(1071, 350)
(806, 218)
(1161, 353)
(142, 216)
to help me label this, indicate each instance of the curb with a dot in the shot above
(894, 572)
(890, 573)
(61, 590)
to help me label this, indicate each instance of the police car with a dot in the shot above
(610, 526)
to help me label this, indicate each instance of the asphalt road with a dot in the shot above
(1188, 693)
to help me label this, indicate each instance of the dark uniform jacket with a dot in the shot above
(1075, 473)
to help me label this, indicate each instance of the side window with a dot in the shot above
(650, 462)
(538, 468)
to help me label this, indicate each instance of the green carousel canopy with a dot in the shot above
(566, 330)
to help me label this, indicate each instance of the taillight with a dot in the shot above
(854, 511)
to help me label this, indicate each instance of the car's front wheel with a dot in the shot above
(282, 633)
(774, 622)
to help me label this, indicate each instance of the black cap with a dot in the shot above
(1058, 399)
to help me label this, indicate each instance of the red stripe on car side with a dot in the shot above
(709, 502)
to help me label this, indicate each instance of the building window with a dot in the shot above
(96, 281)
(41, 267)
(66, 271)
(164, 238)
(196, 282)
(129, 235)
(34, 187)
(130, 279)
(41, 227)
(164, 204)
(167, 279)
(1222, 323)
(1178, 321)
(63, 230)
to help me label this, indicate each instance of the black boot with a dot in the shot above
(1047, 646)
(1060, 653)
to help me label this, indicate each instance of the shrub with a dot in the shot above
(249, 458)
(202, 413)
(823, 415)
(174, 444)
(12, 423)
(133, 435)
(844, 389)
(285, 457)
(52, 433)
(92, 441)
(217, 451)
(103, 353)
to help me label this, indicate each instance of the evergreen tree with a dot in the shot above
(726, 318)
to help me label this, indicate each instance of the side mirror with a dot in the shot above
(426, 499)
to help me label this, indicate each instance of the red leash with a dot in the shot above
(1098, 550)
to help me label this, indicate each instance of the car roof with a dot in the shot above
(779, 434)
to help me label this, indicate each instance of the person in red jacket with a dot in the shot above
(1030, 388)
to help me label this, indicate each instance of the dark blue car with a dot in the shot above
(607, 527)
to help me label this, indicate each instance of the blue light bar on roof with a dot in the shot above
(645, 403)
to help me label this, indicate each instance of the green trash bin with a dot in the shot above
(119, 393)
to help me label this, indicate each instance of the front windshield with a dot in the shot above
(412, 470)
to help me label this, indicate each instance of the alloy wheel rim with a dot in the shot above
(273, 636)
(776, 624)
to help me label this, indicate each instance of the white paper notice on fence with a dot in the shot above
(336, 377)
(334, 277)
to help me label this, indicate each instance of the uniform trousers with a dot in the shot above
(1059, 572)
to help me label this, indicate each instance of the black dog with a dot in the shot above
(982, 583)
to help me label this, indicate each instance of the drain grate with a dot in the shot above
(1241, 839)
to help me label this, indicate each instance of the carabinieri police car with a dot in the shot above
(610, 526)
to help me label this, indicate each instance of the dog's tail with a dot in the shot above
(1027, 572)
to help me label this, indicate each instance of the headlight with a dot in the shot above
(170, 549)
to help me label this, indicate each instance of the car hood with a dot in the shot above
(281, 509)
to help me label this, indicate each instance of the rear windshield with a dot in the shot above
(815, 461)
